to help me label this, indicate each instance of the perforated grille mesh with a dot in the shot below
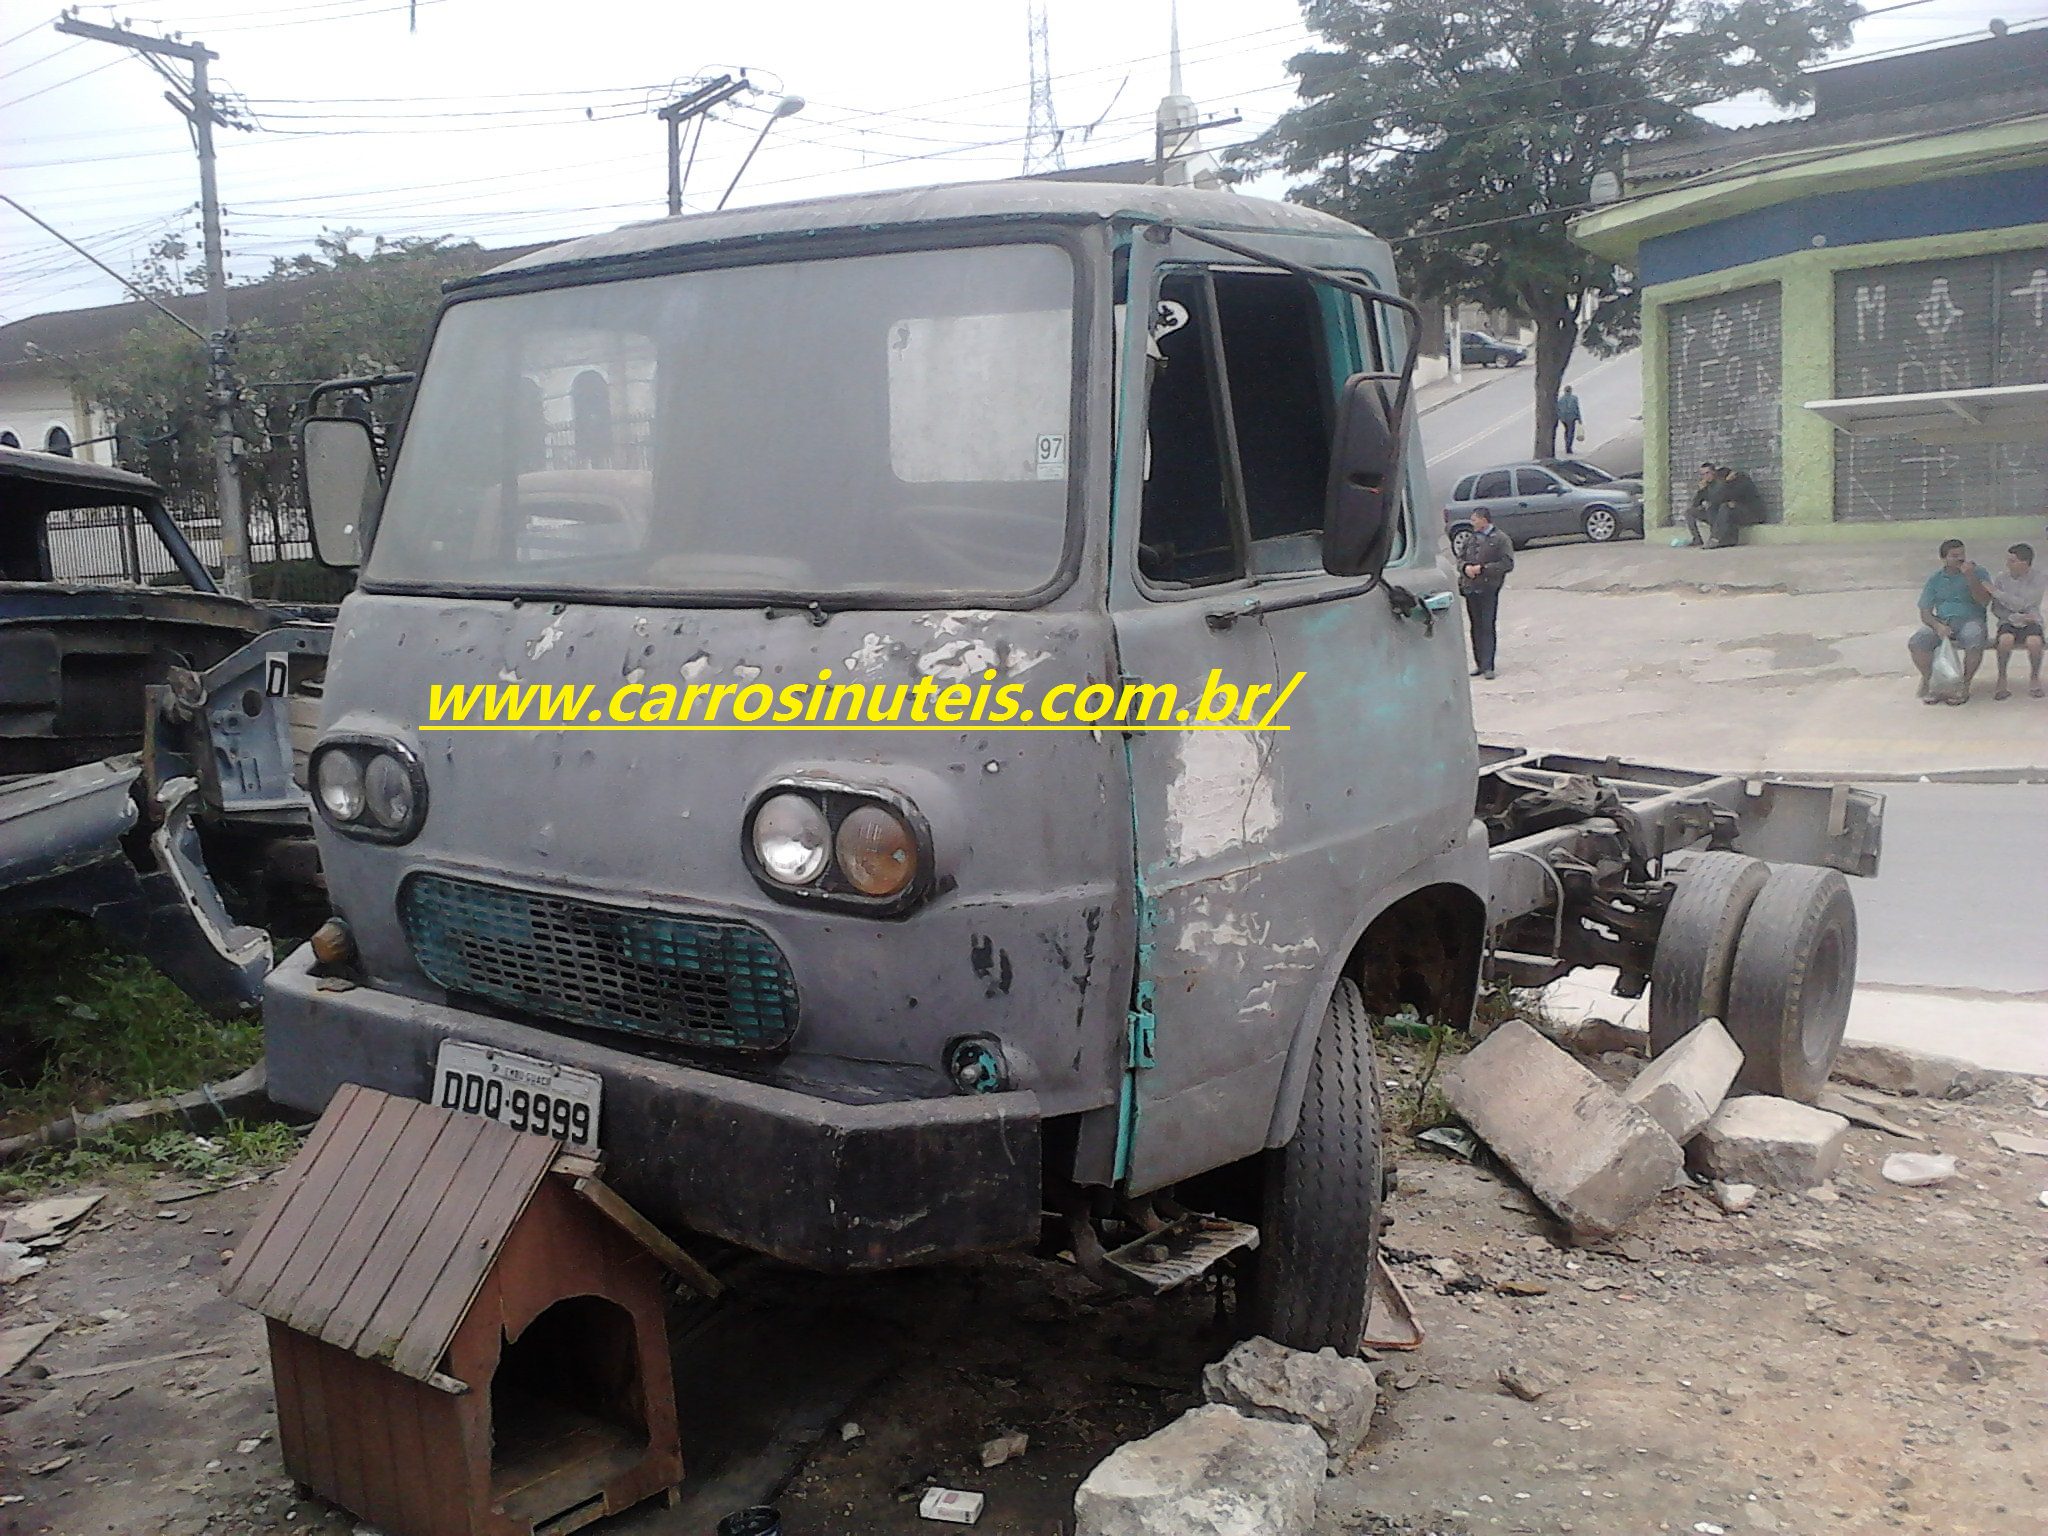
(697, 981)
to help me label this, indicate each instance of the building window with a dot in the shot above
(57, 441)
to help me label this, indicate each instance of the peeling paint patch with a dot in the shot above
(874, 650)
(746, 672)
(508, 675)
(545, 641)
(1020, 660)
(695, 667)
(636, 675)
(1222, 797)
(957, 660)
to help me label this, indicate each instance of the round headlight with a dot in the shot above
(387, 789)
(877, 852)
(339, 782)
(791, 839)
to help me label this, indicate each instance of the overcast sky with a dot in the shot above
(509, 121)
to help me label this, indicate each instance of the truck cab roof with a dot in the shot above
(990, 202)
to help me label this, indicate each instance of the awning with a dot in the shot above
(2002, 413)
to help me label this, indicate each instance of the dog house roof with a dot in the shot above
(384, 1227)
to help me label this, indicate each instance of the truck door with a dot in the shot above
(1257, 849)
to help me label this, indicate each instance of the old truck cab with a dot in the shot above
(839, 978)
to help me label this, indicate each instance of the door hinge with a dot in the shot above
(1139, 1038)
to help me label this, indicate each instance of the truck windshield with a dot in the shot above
(843, 427)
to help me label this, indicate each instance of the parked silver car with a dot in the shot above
(1547, 498)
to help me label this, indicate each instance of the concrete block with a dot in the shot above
(1770, 1142)
(1584, 1151)
(1211, 1472)
(1332, 1395)
(1683, 1087)
(1892, 1069)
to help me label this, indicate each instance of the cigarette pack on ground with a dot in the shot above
(951, 1504)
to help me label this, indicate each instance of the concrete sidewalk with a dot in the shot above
(1779, 659)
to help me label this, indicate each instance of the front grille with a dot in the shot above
(691, 980)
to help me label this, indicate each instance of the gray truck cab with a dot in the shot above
(856, 996)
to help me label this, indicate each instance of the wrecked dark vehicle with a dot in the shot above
(861, 998)
(131, 790)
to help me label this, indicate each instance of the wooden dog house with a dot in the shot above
(466, 1327)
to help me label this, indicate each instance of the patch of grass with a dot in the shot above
(237, 1148)
(82, 1026)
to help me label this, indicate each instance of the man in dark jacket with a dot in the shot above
(1733, 504)
(1489, 556)
(1696, 508)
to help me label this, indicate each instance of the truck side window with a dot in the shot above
(1185, 533)
(1238, 430)
(110, 546)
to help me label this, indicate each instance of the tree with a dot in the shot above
(1471, 132)
(329, 312)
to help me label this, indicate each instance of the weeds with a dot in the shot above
(82, 1026)
(236, 1148)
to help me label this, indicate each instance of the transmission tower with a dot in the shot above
(1042, 147)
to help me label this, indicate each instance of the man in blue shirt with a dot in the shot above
(1951, 608)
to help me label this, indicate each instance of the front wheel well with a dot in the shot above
(1423, 952)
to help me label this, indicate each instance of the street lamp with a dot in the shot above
(789, 106)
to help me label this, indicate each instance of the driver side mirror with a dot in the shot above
(338, 462)
(1364, 490)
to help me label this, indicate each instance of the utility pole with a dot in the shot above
(696, 104)
(194, 101)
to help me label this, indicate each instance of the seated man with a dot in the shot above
(1733, 504)
(2017, 593)
(1951, 608)
(1696, 508)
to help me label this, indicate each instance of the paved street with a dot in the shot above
(1492, 424)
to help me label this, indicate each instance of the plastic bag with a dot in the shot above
(1945, 677)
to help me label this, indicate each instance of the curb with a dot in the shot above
(1470, 389)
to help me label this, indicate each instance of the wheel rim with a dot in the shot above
(1600, 525)
(1826, 975)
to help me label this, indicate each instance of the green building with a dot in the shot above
(1853, 306)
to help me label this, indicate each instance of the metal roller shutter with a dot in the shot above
(1721, 370)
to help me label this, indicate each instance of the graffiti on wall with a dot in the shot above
(1922, 327)
(1721, 375)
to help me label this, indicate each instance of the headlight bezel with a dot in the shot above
(362, 750)
(831, 888)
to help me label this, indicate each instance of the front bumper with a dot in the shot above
(827, 1185)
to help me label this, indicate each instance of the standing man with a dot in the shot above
(1489, 556)
(1696, 508)
(1569, 415)
(2017, 594)
(1951, 608)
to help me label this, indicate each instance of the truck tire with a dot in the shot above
(1311, 1276)
(1795, 968)
(1696, 946)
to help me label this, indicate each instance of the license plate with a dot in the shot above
(522, 1092)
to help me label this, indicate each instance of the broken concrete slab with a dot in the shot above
(1916, 1170)
(1211, 1472)
(1854, 1106)
(1683, 1087)
(17, 1344)
(1597, 1037)
(42, 1219)
(1332, 1395)
(1592, 1157)
(1893, 1069)
(1771, 1142)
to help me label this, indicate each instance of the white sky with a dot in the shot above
(508, 121)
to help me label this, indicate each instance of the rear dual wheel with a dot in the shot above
(1771, 952)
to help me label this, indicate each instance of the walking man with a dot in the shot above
(1489, 556)
(2017, 595)
(1951, 608)
(1569, 414)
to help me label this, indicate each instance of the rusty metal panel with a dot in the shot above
(1958, 323)
(1722, 361)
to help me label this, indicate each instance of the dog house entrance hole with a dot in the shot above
(567, 1409)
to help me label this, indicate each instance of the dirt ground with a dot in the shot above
(1875, 1359)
